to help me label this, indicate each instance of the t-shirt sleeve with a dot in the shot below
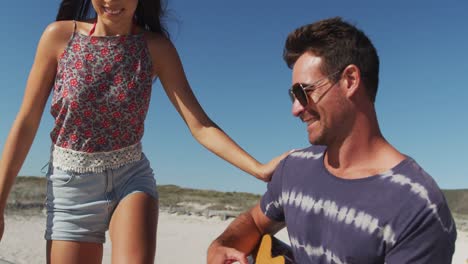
(271, 202)
(429, 239)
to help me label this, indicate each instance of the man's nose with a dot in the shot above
(297, 108)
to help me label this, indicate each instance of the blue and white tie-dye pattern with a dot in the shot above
(399, 216)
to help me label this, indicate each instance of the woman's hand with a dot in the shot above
(266, 170)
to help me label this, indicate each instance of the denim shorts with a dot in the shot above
(80, 205)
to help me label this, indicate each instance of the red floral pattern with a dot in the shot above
(101, 93)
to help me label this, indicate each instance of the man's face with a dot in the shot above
(326, 111)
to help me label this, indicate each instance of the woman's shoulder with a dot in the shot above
(161, 49)
(157, 40)
(60, 27)
(59, 31)
(57, 34)
(65, 28)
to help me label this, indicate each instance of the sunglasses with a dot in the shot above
(300, 91)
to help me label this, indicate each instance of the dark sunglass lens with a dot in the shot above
(291, 95)
(300, 94)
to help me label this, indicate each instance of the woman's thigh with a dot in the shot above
(133, 229)
(72, 252)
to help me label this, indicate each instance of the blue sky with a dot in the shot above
(231, 52)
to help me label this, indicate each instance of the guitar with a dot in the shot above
(273, 251)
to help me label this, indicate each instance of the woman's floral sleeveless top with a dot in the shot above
(100, 100)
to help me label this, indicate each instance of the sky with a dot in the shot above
(232, 56)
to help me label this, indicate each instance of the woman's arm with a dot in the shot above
(168, 67)
(35, 97)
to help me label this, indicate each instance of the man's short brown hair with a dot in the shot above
(339, 44)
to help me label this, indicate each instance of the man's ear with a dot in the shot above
(351, 78)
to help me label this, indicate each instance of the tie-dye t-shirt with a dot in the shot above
(400, 216)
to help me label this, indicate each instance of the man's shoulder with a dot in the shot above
(416, 180)
(419, 193)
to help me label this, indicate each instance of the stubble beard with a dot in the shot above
(322, 137)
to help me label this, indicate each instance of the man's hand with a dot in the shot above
(218, 254)
(241, 237)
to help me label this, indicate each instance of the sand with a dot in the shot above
(181, 239)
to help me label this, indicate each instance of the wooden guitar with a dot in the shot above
(273, 251)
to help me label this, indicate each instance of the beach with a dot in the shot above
(181, 239)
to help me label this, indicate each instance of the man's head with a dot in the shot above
(339, 44)
(334, 66)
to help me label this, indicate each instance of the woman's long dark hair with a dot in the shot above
(148, 13)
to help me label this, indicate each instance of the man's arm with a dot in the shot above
(241, 237)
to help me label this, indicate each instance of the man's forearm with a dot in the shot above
(242, 234)
(241, 237)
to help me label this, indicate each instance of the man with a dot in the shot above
(351, 197)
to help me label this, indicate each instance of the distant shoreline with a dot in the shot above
(28, 194)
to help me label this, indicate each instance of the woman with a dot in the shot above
(101, 71)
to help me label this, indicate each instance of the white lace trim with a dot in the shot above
(81, 162)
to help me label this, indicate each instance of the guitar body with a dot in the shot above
(273, 251)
